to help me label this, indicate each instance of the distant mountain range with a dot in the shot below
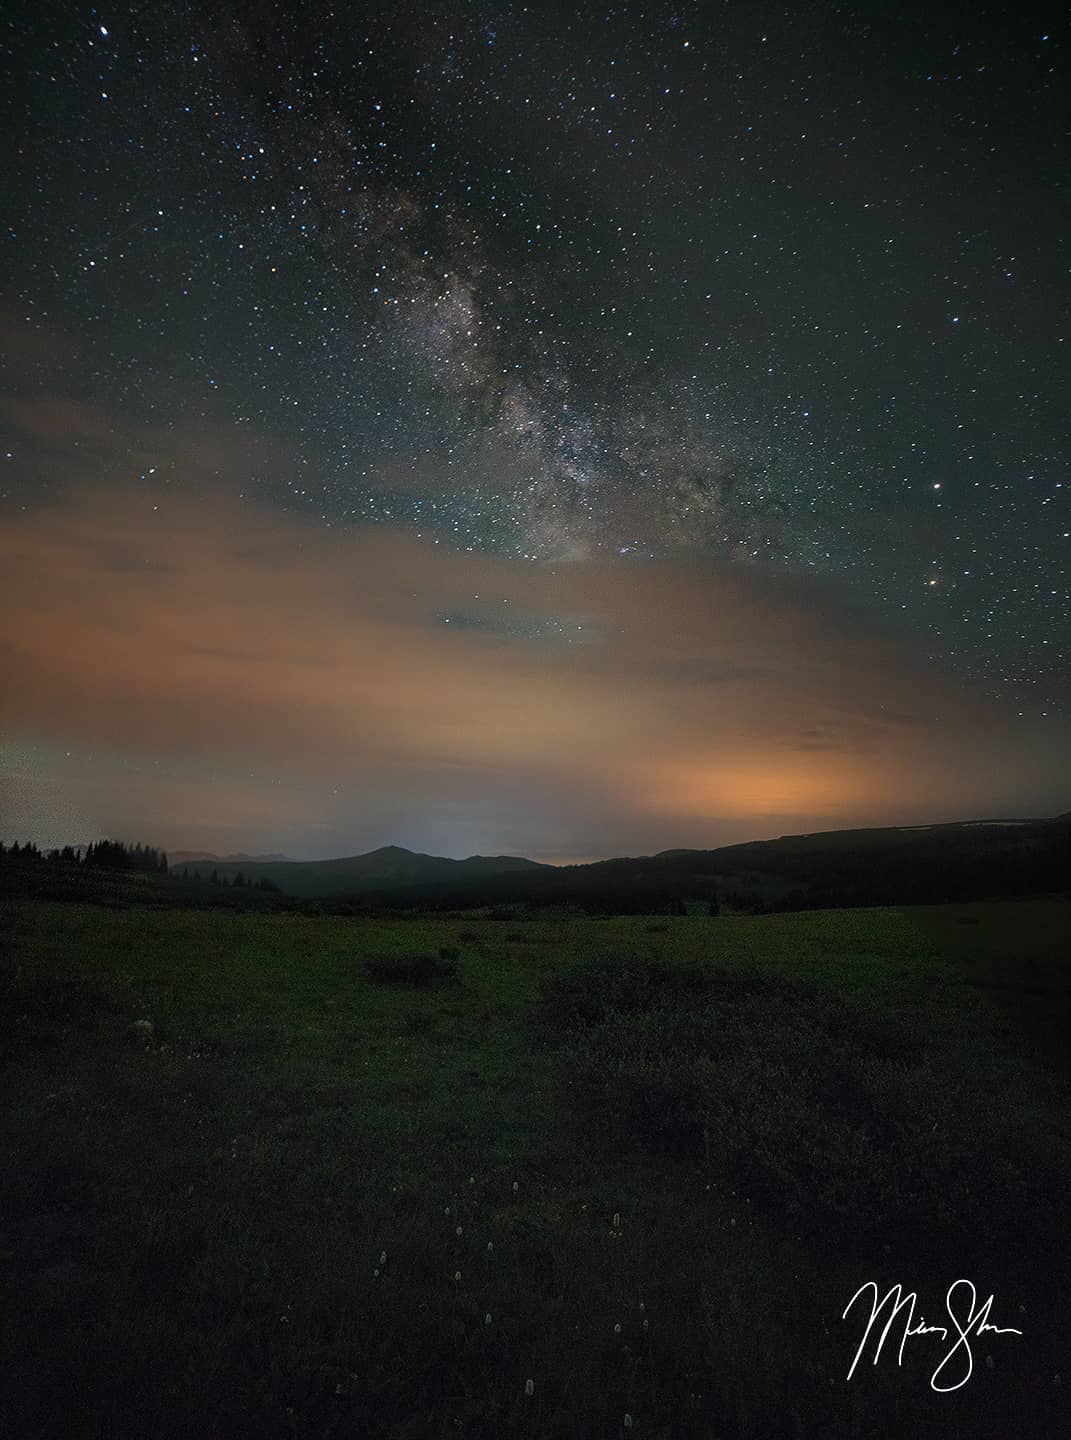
(918, 864)
(191, 857)
(380, 870)
(915, 864)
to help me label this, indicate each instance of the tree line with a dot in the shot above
(101, 855)
(239, 882)
(119, 857)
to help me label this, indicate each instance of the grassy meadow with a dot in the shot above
(363, 1178)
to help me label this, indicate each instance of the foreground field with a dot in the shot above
(642, 1165)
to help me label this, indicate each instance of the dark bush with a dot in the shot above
(450, 953)
(469, 937)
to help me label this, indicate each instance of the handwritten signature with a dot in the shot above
(961, 1297)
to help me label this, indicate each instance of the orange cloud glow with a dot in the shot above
(218, 669)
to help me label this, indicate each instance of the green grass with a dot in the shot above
(707, 1134)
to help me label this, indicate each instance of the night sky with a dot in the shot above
(567, 431)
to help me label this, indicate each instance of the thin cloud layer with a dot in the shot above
(223, 674)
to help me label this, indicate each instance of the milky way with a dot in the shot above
(777, 289)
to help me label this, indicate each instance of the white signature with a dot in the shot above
(975, 1320)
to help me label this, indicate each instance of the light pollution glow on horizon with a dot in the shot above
(207, 673)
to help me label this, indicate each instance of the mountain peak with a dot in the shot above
(389, 867)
